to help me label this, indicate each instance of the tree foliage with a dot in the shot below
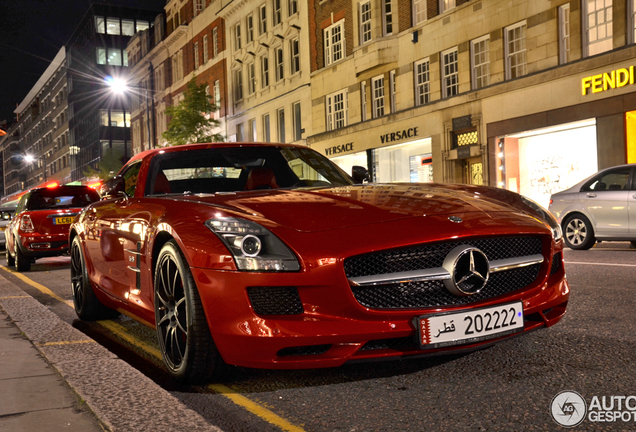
(190, 119)
(109, 164)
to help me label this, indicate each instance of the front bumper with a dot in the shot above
(334, 328)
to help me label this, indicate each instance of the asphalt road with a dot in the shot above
(508, 387)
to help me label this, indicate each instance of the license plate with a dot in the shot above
(469, 326)
(63, 220)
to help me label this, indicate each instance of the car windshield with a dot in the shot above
(233, 169)
(60, 198)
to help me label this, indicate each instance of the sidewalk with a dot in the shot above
(55, 378)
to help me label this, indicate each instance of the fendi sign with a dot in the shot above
(608, 80)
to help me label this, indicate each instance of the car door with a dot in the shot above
(605, 199)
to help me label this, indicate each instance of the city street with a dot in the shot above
(507, 387)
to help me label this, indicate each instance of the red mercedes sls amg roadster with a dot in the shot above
(270, 256)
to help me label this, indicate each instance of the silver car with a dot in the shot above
(601, 207)
(6, 213)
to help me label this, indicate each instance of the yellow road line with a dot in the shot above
(66, 343)
(255, 408)
(13, 297)
(251, 406)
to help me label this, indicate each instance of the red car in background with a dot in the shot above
(41, 223)
(270, 256)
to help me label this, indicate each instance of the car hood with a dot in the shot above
(324, 209)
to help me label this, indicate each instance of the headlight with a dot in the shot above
(253, 246)
(557, 232)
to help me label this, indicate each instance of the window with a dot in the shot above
(264, 71)
(631, 31)
(393, 91)
(293, 7)
(250, 28)
(277, 13)
(280, 114)
(215, 41)
(252, 124)
(298, 135)
(336, 104)
(127, 27)
(199, 5)
(205, 49)
(450, 74)
(266, 134)
(295, 55)
(251, 78)
(615, 179)
(387, 18)
(363, 100)
(515, 50)
(262, 23)
(238, 85)
(217, 95)
(422, 82)
(564, 33)
(237, 37)
(419, 11)
(480, 62)
(365, 22)
(598, 26)
(334, 43)
(196, 55)
(377, 94)
(100, 25)
(114, 57)
(101, 56)
(142, 25)
(112, 26)
(240, 135)
(445, 5)
(280, 65)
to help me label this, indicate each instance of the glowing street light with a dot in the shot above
(117, 85)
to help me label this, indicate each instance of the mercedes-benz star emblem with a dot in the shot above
(455, 219)
(469, 269)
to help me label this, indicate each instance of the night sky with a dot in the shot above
(31, 34)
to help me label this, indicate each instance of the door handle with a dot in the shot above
(591, 195)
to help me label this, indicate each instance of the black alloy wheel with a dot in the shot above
(10, 259)
(578, 232)
(186, 344)
(22, 262)
(87, 305)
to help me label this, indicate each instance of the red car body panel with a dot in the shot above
(323, 227)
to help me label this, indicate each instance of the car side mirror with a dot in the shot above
(359, 174)
(113, 187)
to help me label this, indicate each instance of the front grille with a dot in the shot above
(275, 300)
(426, 294)
(399, 344)
(433, 255)
(416, 295)
(304, 350)
(556, 264)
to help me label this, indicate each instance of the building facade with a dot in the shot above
(41, 133)
(162, 64)
(532, 96)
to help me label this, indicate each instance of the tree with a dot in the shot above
(190, 120)
(109, 164)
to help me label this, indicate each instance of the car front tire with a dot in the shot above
(22, 262)
(87, 305)
(578, 232)
(184, 337)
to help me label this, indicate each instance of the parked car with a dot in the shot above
(41, 223)
(6, 213)
(601, 207)
(269, 256)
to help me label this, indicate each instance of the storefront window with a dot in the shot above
(630, 127)
(411, 163)
(541, 162)
(346, 163)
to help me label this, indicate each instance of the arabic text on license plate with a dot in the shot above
(470, 326)
(63, 220)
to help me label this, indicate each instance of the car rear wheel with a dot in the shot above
(10, 259)
(578, 232)
(22, 262)
(87, 305)
(186, 344)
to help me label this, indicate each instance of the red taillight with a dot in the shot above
(551, 202)
(25, 224)
(52, 185)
